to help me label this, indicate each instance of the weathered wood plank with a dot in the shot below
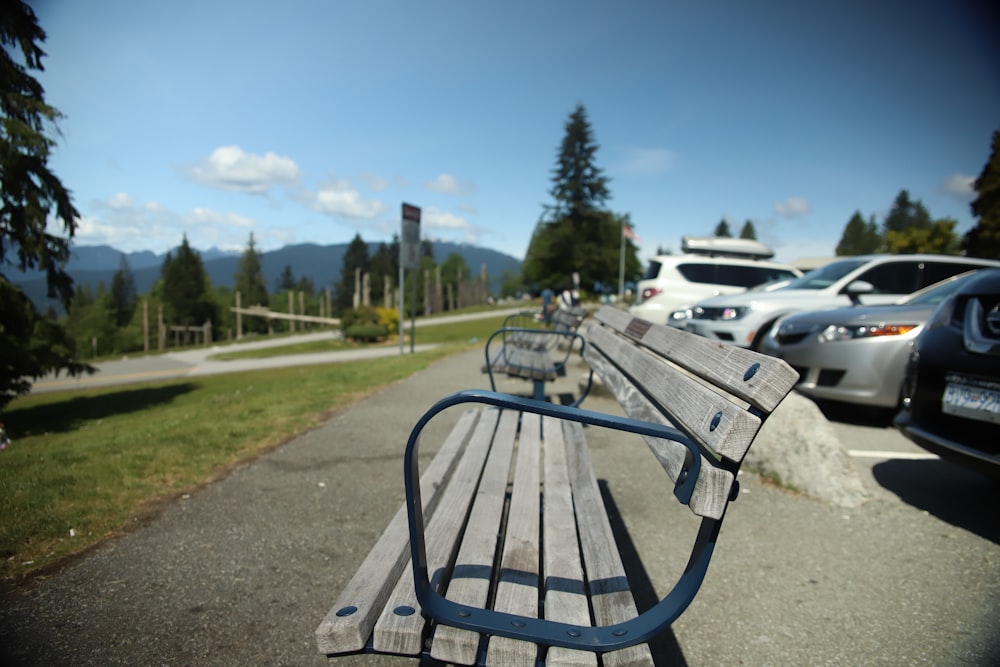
(344, 630)
(712, 419)
(403, 633)
(517, 585)
(565, 594)
(721, 364)
(610, 593)
(473, 570)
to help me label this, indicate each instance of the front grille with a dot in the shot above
(791, 338)
(707, 313)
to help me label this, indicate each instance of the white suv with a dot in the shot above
(672, 284)
(745, 319)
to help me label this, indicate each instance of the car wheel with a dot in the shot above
(758, 341)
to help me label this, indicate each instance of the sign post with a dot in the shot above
(409, 258)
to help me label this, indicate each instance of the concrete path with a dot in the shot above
(242, 571)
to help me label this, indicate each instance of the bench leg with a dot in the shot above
(539, 390)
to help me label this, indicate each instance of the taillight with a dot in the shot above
(650, 292)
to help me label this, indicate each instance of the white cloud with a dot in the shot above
(374, 182)
(231, 168)
(792, 207)
(119, 201)
(449, 185)
(648, 160)
(340, 198)
(959, 185)
(449, 225)
(203, 216)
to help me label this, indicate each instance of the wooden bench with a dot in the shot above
(523, 348)
(504, 553)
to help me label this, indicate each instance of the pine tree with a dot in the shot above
(355, 257)
(859, 237)
(577, 234)
(748, 231)
(123, 296)
(186, 288)
(905, 214)
(285, 280)
(722, 230)
(249, 278)
(30, 345)
(983, 240)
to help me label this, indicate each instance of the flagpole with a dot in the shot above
(621, 265)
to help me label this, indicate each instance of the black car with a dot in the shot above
(951, 394)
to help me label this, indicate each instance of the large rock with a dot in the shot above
(799, 449)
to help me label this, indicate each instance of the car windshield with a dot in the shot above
(938, 292)
(825, 276)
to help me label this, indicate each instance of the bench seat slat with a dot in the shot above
(565, 594)
(517, 585)
(473, 571)
(610, 595)
(403, 634)
(722, 364)
(374, 580)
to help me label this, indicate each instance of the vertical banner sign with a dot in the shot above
(409, 258)
(410, 247)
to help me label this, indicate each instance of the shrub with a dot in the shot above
(368, 333)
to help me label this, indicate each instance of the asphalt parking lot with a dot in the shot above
(242, 571)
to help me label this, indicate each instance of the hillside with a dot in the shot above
(93, 265)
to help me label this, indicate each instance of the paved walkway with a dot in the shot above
(242, 571)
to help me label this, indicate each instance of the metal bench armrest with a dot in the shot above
(542, 631)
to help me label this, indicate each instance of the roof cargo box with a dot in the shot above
(718, 246)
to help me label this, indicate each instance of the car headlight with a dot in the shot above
(733, 313)
(836, 332)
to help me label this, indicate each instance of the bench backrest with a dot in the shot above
(717, 394)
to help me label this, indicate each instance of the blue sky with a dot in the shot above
(309, 122)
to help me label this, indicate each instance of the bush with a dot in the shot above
(389, 317)
(369, 333)
(364, 315)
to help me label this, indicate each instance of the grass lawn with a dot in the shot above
(85, 464)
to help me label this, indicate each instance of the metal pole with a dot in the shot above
(401, 292)
(413, 311)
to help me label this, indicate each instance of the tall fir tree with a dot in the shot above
(355, 257)
(576, 234)
(859, 237)
(123, 295)
(906, 213)
(285, 280)
(30, 345)
(186, 289)
(249, 282)
(983, 240)
(748, 231)
(722, 230)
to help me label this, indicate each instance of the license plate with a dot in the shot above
(965, 400)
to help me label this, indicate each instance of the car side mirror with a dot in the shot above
(856, 289)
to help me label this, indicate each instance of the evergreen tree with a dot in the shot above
(905, 214)
(983, 240)
(748, 231)
(380, 266)
(285, 280)
(355, 257)
(249, 277)
(576, 234)
(859, 237)
(30, 345)
(187, 297)
(722, 230)
(123, 295)
(249, 282)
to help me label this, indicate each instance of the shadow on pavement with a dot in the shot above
(66, 415)
(665, 649)
(859, 415)
(953, 494)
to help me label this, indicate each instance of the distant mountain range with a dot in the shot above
(93, 265)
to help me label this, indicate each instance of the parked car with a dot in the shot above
(857, 354)
(708, 267)
(745, 319)
(951, 395)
